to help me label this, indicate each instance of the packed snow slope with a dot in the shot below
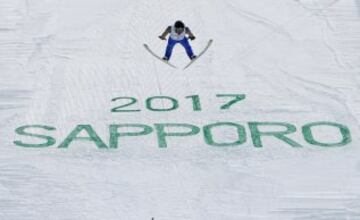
(63, 62)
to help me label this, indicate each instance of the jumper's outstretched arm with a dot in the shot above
(165, 33)
(191, 35)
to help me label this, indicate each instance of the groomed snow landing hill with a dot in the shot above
(264, 126)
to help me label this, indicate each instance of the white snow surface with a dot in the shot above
(61, 63)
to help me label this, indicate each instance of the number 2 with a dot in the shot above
(120, 108)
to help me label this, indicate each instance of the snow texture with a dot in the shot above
(61, 63)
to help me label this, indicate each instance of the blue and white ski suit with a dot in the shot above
(176, 38)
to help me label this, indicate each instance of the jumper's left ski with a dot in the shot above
(200, 54)
(155, 55)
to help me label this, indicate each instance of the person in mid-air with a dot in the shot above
(178, 34)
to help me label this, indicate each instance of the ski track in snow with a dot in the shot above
(62, 62)
(357, 3)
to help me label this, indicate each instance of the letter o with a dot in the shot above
(210, 140)
(309, 137)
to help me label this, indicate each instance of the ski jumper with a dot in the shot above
(176, 38)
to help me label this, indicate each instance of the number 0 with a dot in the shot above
(149, 103)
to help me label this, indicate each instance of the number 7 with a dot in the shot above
(237, 98)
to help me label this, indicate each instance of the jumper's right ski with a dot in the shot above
(155, 55)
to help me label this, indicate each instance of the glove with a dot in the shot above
(162, 37)
(192, 37)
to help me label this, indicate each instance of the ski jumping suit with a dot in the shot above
(178, 38)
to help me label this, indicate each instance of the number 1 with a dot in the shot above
(195, 101)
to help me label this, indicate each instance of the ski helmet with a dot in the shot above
(179, 24)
